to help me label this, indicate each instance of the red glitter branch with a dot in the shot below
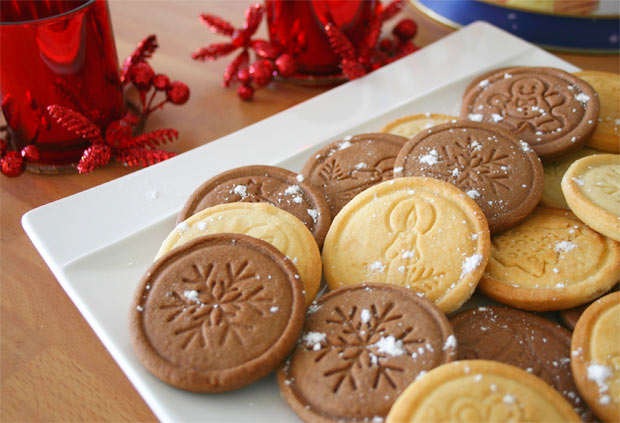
(144, 51)
(142, 156)
(76, 122)
(217, 24)
(391, 10)
(213, 51)
(153, 138)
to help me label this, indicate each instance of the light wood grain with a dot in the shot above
(53, 367)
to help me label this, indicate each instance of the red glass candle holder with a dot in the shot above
(56, 52)
(298, 27)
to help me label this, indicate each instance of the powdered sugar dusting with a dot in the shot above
(564, 246)
(365, 315)
(314, 339)
(583, 98)
(191, 295)
(476, 117)
(390, 345)
(314, 214)
(450, 342)
(470, 264)
(376, 266)
(473, 193)
(430, 158)
(241, 190)
(182, 227)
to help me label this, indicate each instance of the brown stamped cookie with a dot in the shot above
(521, 339)
(217, 313)
(500, 173)
(570, 316)
(595, 356)
(266, 184)
(361, 347)
(344, 168)
(552, 110)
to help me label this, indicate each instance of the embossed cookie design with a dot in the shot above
(595, 356)
(525, 340)
(591, 186)
(343, 169)
(266, 184)
(552, 110)
(409, 126)
(502, 174)
(361, 347)
(420, 233)
(480, 391)
(217, 313)
(552, 261)
(260, 220)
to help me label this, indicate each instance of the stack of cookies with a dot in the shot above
(412, 229)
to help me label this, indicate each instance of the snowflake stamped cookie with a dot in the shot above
(360, 348)
(217, 313)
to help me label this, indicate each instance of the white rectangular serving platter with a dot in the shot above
(98, 243)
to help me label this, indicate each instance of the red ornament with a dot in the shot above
(245, 92)
(244, 76)
(31, 153)
(286, 65)
(177, 93)
(262, 72)
(161, 81)
(142, 75)
(405, 30)
(12, 164)
(144, 51)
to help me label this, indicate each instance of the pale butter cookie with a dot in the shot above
(260, 220)
(551, 261)
(591, 187)
(606, 137)
(409, 126)
(421, 233)
(595, 356)
(480, 391)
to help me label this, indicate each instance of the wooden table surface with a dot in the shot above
(53, 367)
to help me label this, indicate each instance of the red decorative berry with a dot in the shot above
(405, 30)
(262, 72)
(142, 75)
(386, 45)
(161, 81)
(3, 147)
(12, 164)
(245, 92)
(177, 93)
(286, 65)
(31, 153)
(244, 76)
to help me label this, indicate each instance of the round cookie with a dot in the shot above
(502, 174)
(361, 347)
(569, 317)
(267, 184)
(554, 171)
(606, 137)
(409, 126)
(344, 168)
(260, 220)
(552, 261)
(521, 339)
(217, 313)
(482, 81)
(552, 110)
(595, 356)
(480, 391)
(591, 186)
(397, 232)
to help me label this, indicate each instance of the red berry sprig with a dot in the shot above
(12, 163)
(268, 62)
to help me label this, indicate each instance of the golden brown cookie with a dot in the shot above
(217, 313)
(361, 347)
(606, 137)
(552, 110)
(595, 356)
(591, 186)
(551, 261)
(480, 391)
(421, 233)
(409, 126)
(554, 170)
(260, 220)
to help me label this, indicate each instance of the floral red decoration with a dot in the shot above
(355, 60)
